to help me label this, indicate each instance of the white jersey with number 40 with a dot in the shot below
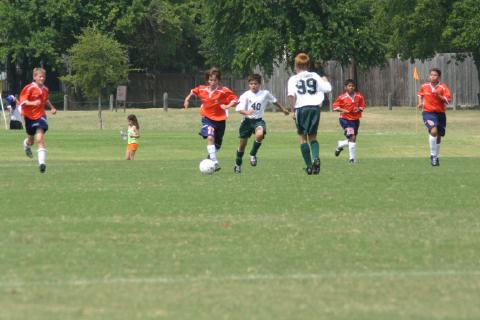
(308, 89)
(255, 101)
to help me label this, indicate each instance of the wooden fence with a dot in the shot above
(394, 79)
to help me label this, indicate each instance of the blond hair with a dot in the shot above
(39, 70)
(302, 61)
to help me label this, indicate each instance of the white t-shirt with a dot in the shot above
(308, 89)
(15, 114)
(255, 101)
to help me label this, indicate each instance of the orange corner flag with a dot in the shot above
(415, 74)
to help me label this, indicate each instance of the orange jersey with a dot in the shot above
(33, 92)
(431, 102)
(212, 100)
(345, 101)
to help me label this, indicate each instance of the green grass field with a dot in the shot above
(98, 237)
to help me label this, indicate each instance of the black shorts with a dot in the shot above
(16, 125)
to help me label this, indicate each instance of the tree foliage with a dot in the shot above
(238, 36)
(413, 28)
(98, 63)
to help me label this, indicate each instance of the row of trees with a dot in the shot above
(185, 35)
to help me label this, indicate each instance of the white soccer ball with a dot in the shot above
(207, 166)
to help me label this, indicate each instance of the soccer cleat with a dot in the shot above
(434, 161)
(28, 152)
(237, 169)
(42, 168)
(217, 167)
(338, 151)
(352, 161)
(253, 161)
(309, 170)
(316, 166)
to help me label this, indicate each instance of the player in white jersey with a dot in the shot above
(305, 95)
(252, 105)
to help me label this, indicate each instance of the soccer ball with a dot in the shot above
(207, 166)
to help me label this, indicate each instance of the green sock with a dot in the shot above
(306, 154)
(255, 147)
(239, 160)
(315, 149)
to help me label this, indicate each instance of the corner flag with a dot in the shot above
(415, 74)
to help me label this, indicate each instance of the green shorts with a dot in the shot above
(307, 119)
(248, 127)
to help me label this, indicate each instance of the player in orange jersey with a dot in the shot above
(350, 104)
(216, 99)
(33, 99)
(432, 98)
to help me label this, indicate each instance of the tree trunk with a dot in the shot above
(100, 121)
(353, 71)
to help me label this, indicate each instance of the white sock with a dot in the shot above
(352, 148)
(342, 143)
(438, 149)
(26, 146)
(212, 152)
(432, 141)
(42, 154)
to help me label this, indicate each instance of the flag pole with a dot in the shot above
(3, 111)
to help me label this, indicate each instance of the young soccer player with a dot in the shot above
(432, 97)
(133, 134)
(15, 113)
(305, 95)
(252, 105)
(34, 98)
(350, 105)
(216, 99)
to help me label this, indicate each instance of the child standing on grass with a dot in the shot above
(216, 99)
(252, 105)
(15, 113)
(350, 105)
(306, 91)
(133, 134)
(433, 96)
(34, 98)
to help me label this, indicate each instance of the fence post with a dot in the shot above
(165, 101)
(330, 101)
(111, 102)
(65, 102)
(454, 101)
(389, 101)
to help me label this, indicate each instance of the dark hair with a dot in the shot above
(211, 72)
(255, 77)
(133, 118)
(349, 81)
(438, 71)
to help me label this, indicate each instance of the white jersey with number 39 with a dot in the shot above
(308, 89)
(255, 101)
